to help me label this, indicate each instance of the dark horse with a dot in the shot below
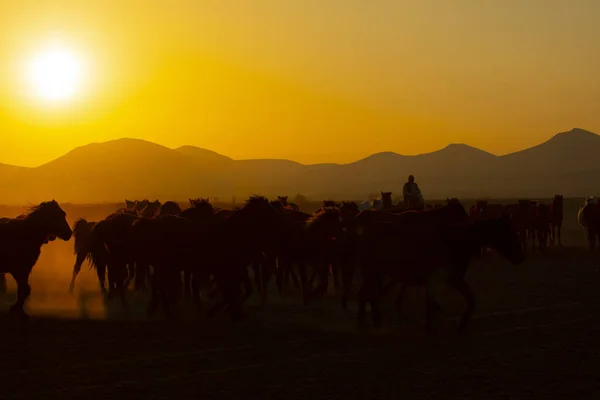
(238, 239)
(589, 218)
(422, 255)
(21, 241)
(452, 213)
(82, 232)
(310, 240)
(556, 218)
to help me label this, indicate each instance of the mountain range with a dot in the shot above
(134, 168)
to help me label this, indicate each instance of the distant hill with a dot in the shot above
(134, 168)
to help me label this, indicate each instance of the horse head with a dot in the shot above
(330, 203)
(170, 208)
(283, 200)
(386, 199)
(327, 223)
(151, 210)
(349, 209)
(53, 219)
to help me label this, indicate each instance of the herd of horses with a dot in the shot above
(202, 253)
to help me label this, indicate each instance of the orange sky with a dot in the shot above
(309, 80)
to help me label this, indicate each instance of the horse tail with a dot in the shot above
(82, 233)
(581, 217)
(97, 251)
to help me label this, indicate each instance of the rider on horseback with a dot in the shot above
(412, 194)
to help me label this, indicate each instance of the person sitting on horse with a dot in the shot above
(412, 194)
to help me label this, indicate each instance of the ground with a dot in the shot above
(534, 335)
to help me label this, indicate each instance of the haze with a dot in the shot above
(309, 80)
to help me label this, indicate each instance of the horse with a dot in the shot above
(133, 207)
(483, 209)
(556, 218)
(588, 217)
(82, 233)
(21, 245)
(202, 211)
(523, 219)
(286, 204)
(453, 212)
(243, 236)
(542, 225)
(311, 240)
(111, 251)
(169, 208)
(421, 255)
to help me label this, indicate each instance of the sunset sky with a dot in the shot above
(308, 80)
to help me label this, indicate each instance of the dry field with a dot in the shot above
(534, 335)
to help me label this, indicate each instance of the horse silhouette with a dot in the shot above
(421, 255)
(588, 217)
(556, 218)
(22, 240)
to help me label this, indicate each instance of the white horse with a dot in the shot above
(590, 200)
(375, 204)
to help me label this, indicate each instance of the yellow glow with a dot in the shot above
(56, 74)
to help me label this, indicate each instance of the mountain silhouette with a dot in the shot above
(135, 168)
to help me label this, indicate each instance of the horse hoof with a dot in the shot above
(18, 312)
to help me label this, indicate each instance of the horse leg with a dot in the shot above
(256, 267)
(431, 304)
(121, 272)
(101, 272)
(247, 282)
(130, 270)
(141, 272)
(347, 279)
(322, 269)
(559, 242)
(279, 277)
(23, 292)
(155, 293)
(461, 286)
(76, 268)
(335, 271)
(195, 287)
(269, 265)
(400, 298)
(187, 284)
(295, 279)
(303, 278)
(368, 294)
(591, 237)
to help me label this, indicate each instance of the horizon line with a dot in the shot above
(297, 162)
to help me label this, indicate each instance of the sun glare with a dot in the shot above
(56, 74)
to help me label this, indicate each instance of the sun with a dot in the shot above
(56, 74)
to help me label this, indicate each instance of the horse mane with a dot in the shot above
(170, 207)
(321, 215)
(256, 200)
(34, 209)
(331, 203)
